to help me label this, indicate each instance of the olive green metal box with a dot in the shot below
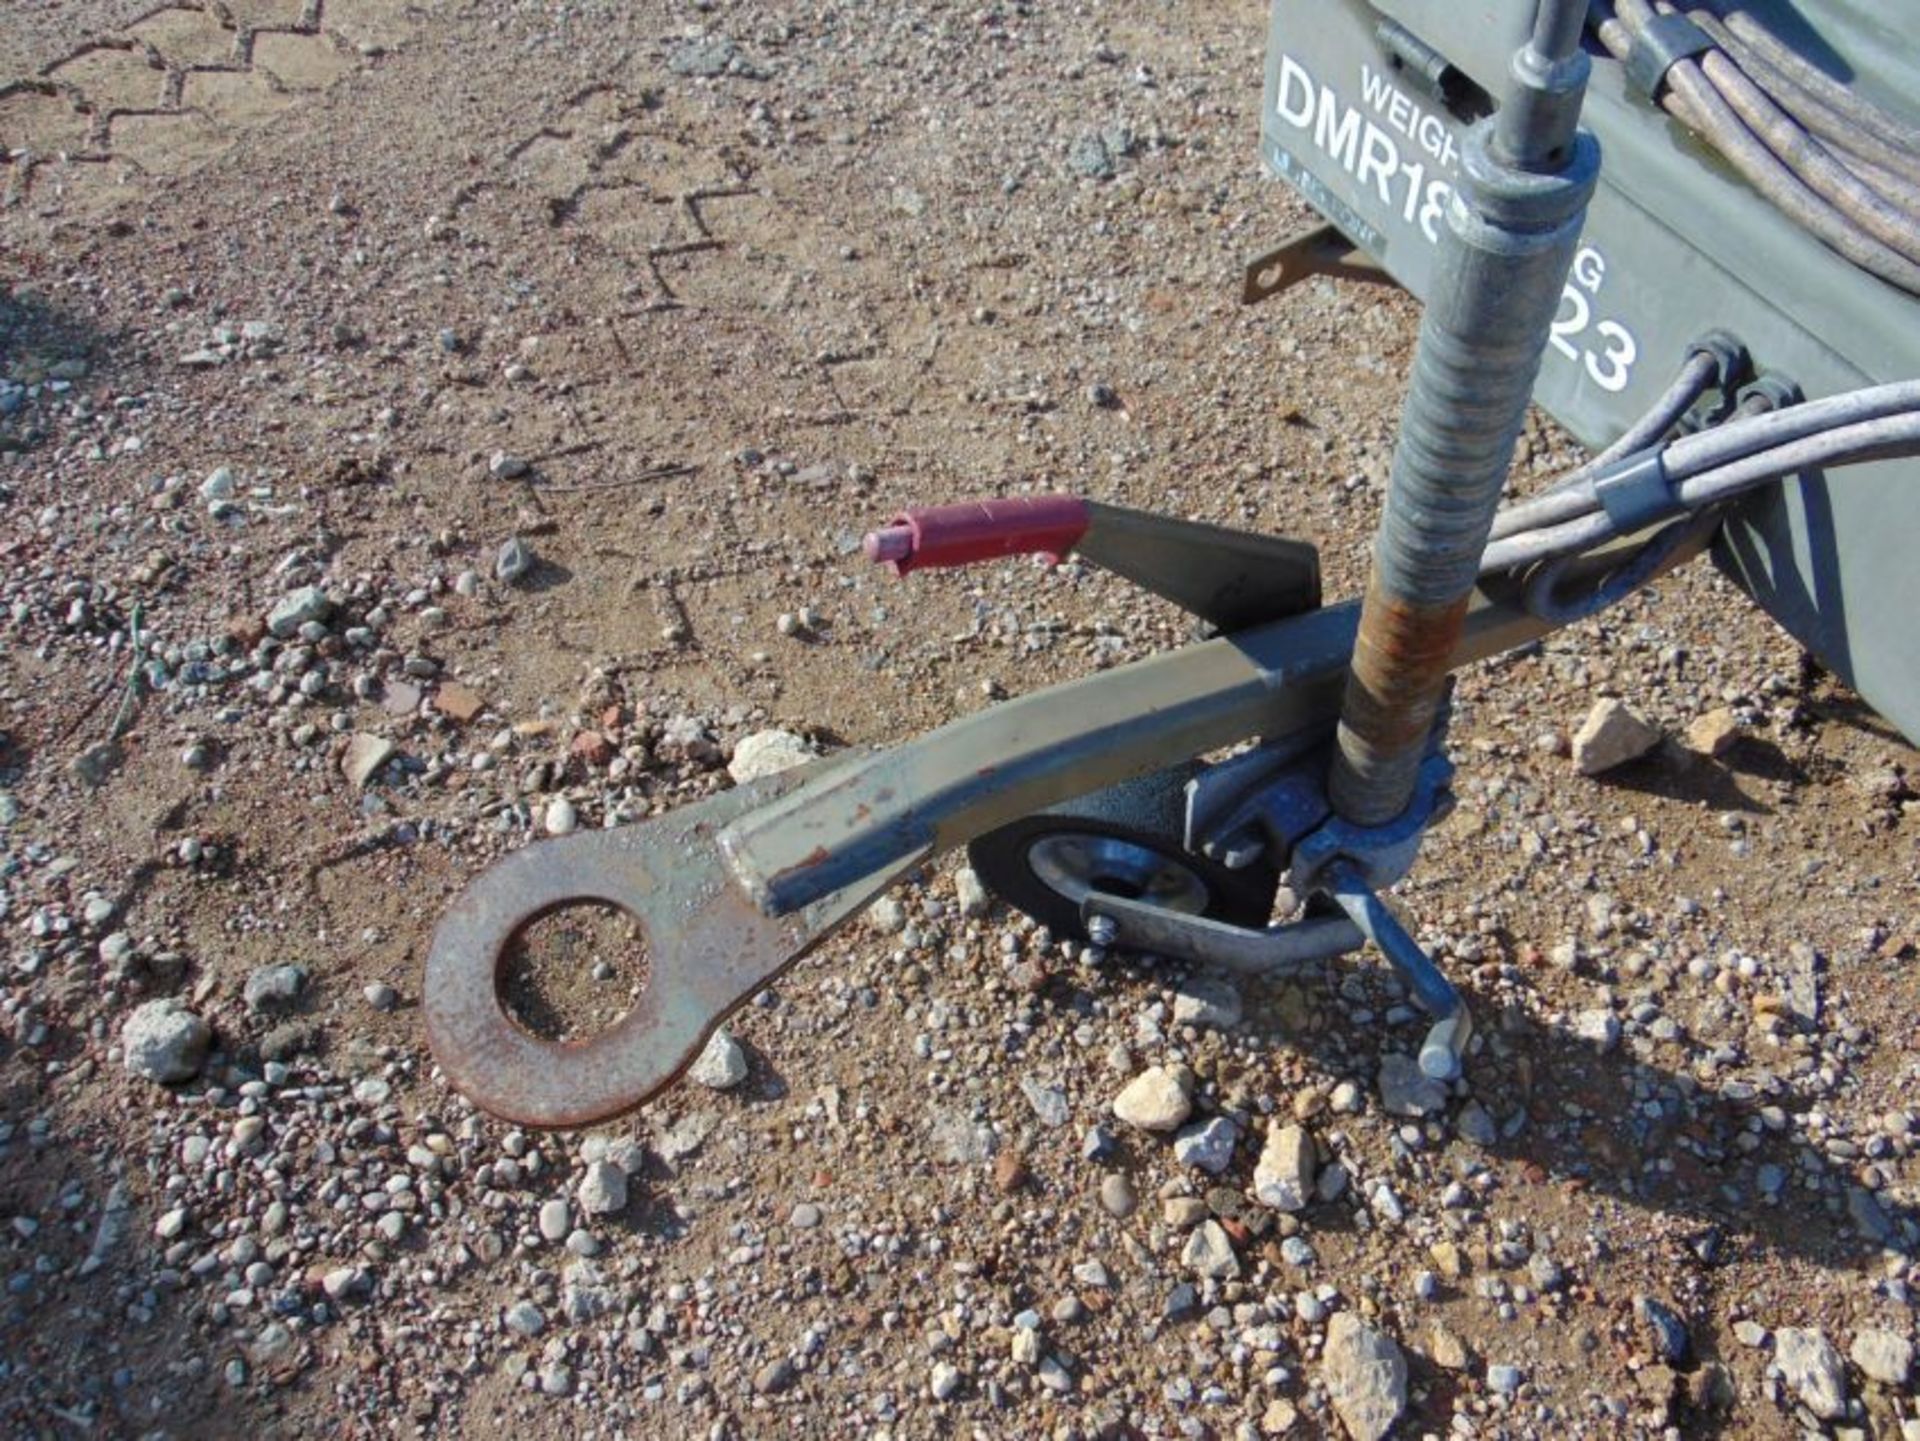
(1363, 112)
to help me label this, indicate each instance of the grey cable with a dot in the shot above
(1542, 597)
(1676, 400)
(1860, 112)
(1686, 388)
(1693, 100)
(1882, 437)
(1844, 125)
(1898, 187)
(1693, 454)
(1547, 543)
(1879, 439)
(1808, 159)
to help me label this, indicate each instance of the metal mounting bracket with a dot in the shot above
(1318, 250)
(1232, 579)
(1379, 855)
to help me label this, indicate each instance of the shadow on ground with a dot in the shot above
(1646, 1134)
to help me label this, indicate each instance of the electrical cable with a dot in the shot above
(1884, 437)
(1680, 396)
(1541, 592)
(1837, 118)
(1691, 455)
(1800, 176)
(1808, 159)
(1842, 167)
(1548, 543)
(1860, 112)
(1894, 186)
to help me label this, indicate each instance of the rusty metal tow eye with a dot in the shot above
(709, 948)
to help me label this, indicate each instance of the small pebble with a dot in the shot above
(514, 562)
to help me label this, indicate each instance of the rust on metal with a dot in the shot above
(713, 940)
(708, 948)
(1402, 654)
(1401, 658)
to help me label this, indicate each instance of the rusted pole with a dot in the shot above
(1512, 228)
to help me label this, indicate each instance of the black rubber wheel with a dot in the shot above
(1124, 841)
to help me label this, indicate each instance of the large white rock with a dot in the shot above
(1813, 1369)
(971, 893)
(1883, 1356)
(767, 753)
(1209, 1253)
(1157, 1099)
(1365, 1375)
(1406, 1090)
(722, 1065)
(165, 1042)
(1283, 1179)
(887, 915)
(1611, 736)
(603, 1190)
(1206, 1001)
(1207, 1145)
(296, 608)
(364, 756)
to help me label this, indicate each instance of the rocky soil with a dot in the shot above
(425, 428)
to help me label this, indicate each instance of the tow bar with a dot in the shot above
(1348, 703)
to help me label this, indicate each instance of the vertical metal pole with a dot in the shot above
(1512, 227)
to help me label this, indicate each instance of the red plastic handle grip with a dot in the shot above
(979, 530)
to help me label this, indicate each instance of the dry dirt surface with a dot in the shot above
(425, 426)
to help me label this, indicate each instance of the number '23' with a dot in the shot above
(1610, 365)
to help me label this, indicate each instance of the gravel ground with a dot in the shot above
(427, 427)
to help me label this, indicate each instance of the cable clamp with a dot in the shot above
(1636, 491)
(1662, 43)
(1771, 392)
(1733, 364)
(1732, 368)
